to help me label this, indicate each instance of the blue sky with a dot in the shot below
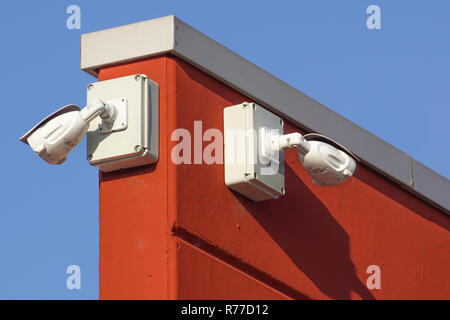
(393, 82)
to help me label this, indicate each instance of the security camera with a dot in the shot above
(56, 135)
(327, 165)
(327, 162)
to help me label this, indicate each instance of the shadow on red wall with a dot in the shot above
(315, 242)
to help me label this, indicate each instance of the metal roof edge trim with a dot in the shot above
(171, 35)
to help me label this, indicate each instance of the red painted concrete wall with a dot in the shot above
(177, 232)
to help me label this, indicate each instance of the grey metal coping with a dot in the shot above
(170, 35)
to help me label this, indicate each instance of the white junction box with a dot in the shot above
(249, 170)
(132, 140)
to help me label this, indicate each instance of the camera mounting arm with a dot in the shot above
(292, 140)
(271, 143)
(97, 107)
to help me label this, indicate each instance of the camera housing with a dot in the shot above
(327, 165)
(58, 134)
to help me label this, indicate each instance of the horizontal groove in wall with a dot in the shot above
(249, 270)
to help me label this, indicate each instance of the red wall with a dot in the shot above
(177, 232)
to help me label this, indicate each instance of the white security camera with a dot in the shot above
(55, 136)
(327, 165)
(326, 162)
